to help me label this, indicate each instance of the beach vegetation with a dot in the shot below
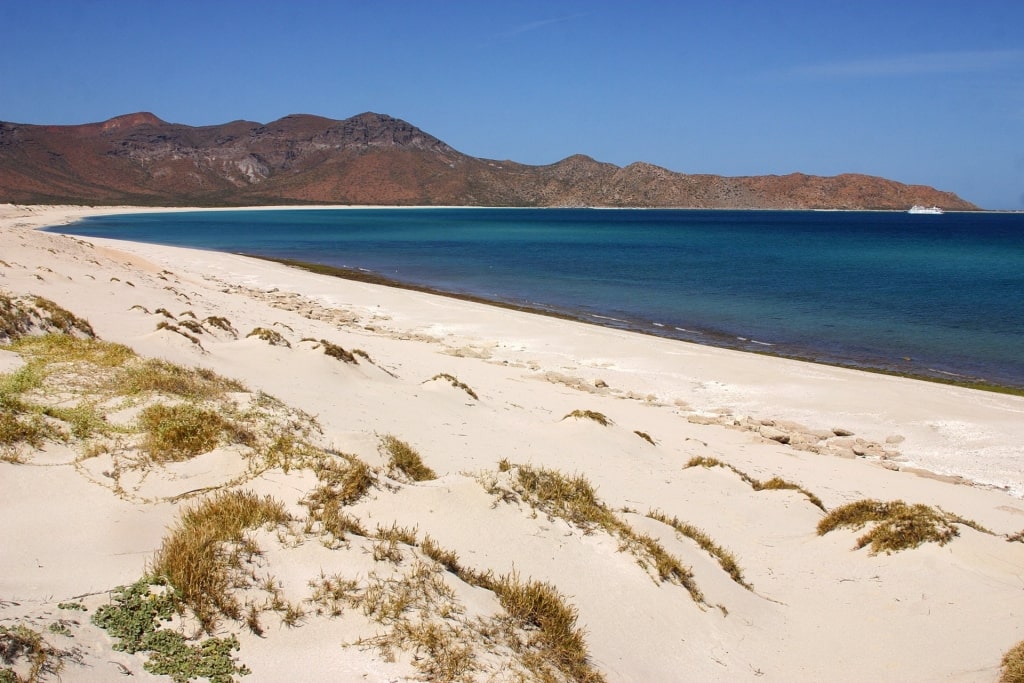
(773, 484)
(573, 499)
(84, 419)
(180, 431)
(272, 337)
(202, 555)
(221, 323)
(347, 476)
(21, 315)
(726, 560)
(448, 559)
(70, 385)
(339, 485)
(26, 657)
(15, 319)
(63, 320)
(335, 351)
(599, 418)
(404, 460)
(536, 634)
(21, 425)
(54, 348)
(1016, 538)
(154, 375)
(1012, 670)
(645, 436)
(454, 381)
(135, 618)
(170, 327)
(896, 525)
(193, 326)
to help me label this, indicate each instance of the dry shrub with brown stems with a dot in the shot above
(207, 543)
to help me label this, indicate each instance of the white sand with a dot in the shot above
(820, 610)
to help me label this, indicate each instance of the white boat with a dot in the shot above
(917, 208)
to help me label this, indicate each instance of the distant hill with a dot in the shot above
(374, 159)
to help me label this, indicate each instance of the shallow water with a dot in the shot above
(933, 295)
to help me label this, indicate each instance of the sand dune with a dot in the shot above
(559, 453)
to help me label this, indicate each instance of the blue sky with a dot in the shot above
(920, 92)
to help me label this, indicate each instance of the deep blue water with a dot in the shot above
(870, 289)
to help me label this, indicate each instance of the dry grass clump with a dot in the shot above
(179, 432)
(350, 481)
(599, 418)
(170, 327)
(1013, 665)
(773, 484)
(23, 649)
(897, 525)
(454, 381)
(62, 319)
(332, 593)
(272, 337)
(221, 323)
(166, 378)
(207, 544)
(404, 460)
(20, 316)
(340, 485)
(1016, 538)
(570, 498)
(645, 436)
(574, 500)
(725, 559)
(335, 351)
(15, 320)
(540, 608)
(535, 638)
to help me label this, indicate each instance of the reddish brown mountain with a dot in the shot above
(373, 159)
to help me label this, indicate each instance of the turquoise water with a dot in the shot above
(936, 295)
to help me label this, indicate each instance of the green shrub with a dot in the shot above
(166, 378)
(179, 432)
(133, 617)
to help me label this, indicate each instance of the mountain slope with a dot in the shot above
(374, 159)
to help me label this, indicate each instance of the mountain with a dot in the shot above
(374, 159)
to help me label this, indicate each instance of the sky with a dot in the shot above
(922, 92)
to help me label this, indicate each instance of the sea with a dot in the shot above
(937, 296)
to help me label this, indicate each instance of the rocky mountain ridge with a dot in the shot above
(378, 160)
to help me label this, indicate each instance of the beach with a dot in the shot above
(662, 430)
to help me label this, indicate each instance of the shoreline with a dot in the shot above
(359, 275)
(752, 450)
(710, 338)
